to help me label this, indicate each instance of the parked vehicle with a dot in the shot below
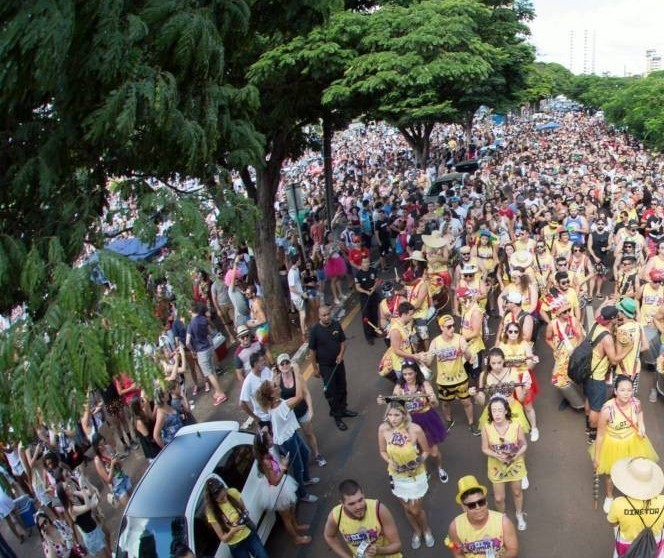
(168, 505)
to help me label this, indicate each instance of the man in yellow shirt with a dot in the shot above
(480, 532)
(630, 336)
(366, 526)
(449, 350)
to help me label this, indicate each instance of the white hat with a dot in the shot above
(470, 269)
(418, 256)
(638, 477)
(434, 240)
(283, 357)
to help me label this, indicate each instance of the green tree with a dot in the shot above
(91, 90)
(545, 80)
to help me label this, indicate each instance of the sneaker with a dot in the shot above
(442, 475)
(309, 498)
(429, 541)
(312, 480)
(320, 461)
(337, 302)
(450, 424)
(534, 434)
(344, 297)
(207, 387)
(194, 392)
(653, 395)
(415, 542)
(607, 504)
(521, 521)
(474, 430)
(525, 483)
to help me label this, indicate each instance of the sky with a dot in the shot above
(623, 29)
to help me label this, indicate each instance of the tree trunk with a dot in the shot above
(418, 137)
(265, 248)
(327, 170)
(468, 127)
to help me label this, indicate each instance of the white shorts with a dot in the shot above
(410, 488)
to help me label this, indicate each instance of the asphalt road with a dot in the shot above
(561, 519)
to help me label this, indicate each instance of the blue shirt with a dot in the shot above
(198, 332)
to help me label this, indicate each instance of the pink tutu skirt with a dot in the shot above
(335, 267)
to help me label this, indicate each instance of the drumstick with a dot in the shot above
(372, 326)
(405, 397)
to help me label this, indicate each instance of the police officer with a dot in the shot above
(365, 284)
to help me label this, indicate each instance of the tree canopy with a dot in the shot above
(91, 90)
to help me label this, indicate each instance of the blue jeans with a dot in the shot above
(251, 546)
(299, 460)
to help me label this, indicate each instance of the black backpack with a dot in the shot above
(644, 545)
(580, 361)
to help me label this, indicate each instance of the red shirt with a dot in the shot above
(356, 255)
(123, 382)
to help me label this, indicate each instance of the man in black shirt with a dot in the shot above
(365, 284)
(327, 344)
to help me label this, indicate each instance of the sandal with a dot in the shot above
(302, 527)
(219, 399)
(302, 539)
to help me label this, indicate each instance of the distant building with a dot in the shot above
(653, 61)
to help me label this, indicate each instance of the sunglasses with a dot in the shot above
(564, 283)
(284, 362)
(475, 504)
(576, 250)
(565, 311)
(450, 326)
(244, 336)
(511, 331)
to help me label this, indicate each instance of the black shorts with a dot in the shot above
(595, 391)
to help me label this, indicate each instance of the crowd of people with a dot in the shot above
(459, 286)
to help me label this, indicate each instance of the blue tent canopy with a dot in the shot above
(134, 249)
(548, 126)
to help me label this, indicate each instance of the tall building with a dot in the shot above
(653, 61)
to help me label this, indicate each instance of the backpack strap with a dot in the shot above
(641, 518)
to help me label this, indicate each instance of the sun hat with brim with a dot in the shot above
(638, 477)
(434, 240)
(466, 484)
(521, 258)
(464, 250)
(470, 269)
(418, 256)
(627, 306)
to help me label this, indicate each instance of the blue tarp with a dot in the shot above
(134, 249)
(548, 126)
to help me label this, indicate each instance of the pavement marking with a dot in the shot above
(308, 372)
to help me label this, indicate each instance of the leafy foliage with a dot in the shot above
(92, 90)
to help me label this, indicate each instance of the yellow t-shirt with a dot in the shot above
(628, 520)
(232, 515)
(598, 367)
(356, 531)
(449, 360)
(629, 334)
(475, 542)
(652, 300)
(476, 344)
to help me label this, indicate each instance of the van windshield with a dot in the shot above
(154, 537)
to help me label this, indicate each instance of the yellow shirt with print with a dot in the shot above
(449, 360)
(629, 521)
(232, 516)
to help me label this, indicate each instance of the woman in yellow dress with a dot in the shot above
(403, 446)
(486, 253)
(519, 354)
(504, 443)
(499, 379)
(621, 433)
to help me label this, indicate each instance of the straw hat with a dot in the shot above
(467, 483)
(418, 256)
(638, 477)
(434, 240)
(521, 258)
(470, 269)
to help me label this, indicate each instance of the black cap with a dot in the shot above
(608, 312)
